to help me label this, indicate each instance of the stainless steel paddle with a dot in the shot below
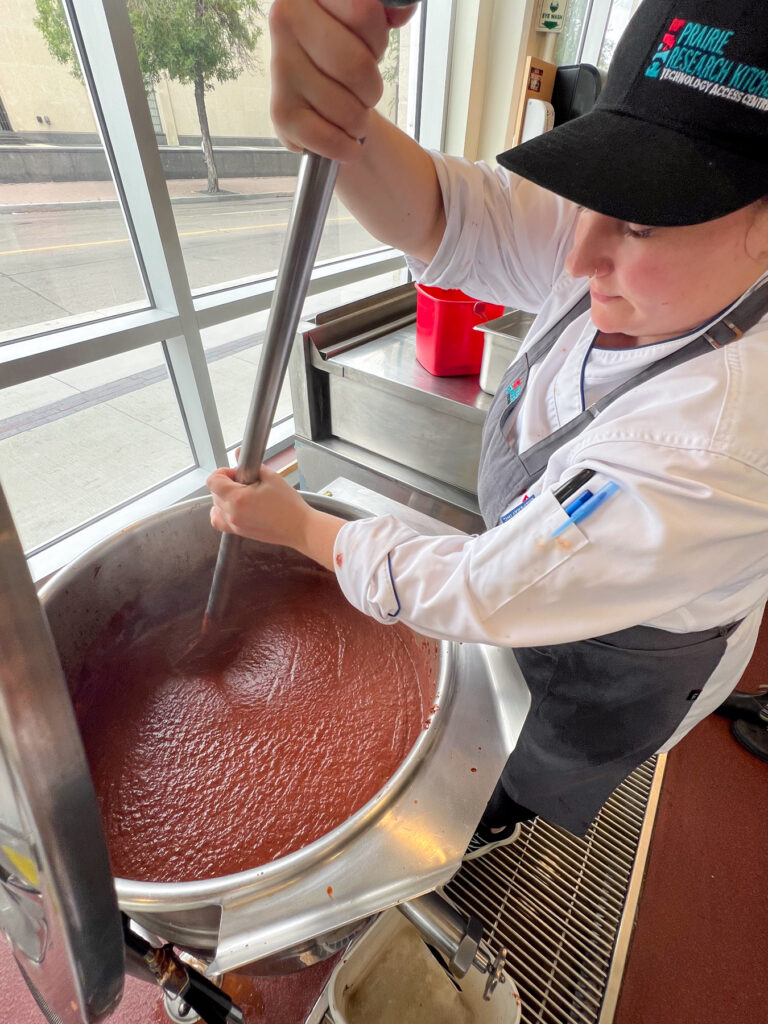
(317, 177)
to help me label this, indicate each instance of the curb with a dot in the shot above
(89, 204)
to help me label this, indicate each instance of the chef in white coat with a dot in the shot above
(624, 469)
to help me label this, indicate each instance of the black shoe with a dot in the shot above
(483, 842)
(753, 737)
(749, 707)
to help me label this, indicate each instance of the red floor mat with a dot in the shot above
(287, 1000)
(698, 952)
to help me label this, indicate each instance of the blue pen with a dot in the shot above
(582, 499)
(589, 506)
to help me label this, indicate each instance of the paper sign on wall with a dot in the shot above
(552, 15)
(538, 82)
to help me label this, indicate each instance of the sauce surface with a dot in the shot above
(204, 770)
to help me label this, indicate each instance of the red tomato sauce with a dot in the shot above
(205, 771)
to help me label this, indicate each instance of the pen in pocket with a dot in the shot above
(582, 510)
(578, 502)
(570, 487)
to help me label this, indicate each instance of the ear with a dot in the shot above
(757, 236)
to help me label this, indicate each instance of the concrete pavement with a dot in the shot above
(17, 197)
(59, 261)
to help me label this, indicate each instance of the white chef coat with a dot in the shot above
(682, 546)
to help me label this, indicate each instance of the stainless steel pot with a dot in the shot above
(407, 840)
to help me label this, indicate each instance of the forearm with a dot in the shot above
(318, 538)
(393, 191)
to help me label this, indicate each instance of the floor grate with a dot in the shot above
(557, 902)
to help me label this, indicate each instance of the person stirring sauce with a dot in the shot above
(624, 468)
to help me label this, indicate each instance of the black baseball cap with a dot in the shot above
(679, 133)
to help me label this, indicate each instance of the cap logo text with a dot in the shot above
(694, 55)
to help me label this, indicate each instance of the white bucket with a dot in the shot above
(390, 977)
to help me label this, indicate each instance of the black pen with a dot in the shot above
(571, 486)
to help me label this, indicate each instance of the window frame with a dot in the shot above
(595, 26)
(596, 21)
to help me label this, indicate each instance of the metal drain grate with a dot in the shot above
(557, 902)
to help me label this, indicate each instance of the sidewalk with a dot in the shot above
(33, 194)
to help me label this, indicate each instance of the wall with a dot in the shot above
(490, 42)
(19, 164)
(32, 83)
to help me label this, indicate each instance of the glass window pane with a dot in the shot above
(65, 253)
(343, 236)
(69, 442)
(621, 11)
(568, 45)
(237, 233)
(323, 301)
(233, 350)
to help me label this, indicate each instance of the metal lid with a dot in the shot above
(57, 901)
(514, 324)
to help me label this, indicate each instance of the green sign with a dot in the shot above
(552, 15)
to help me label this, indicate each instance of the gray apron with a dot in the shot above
(599, 706)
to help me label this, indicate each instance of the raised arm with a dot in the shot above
(325, 83)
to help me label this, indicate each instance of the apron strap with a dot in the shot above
(546, 341)
(731, 327)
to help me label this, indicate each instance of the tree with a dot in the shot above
(192, 41)
(390, 73)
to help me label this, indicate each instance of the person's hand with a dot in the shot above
(273, 512)
(269, 510)
(324, 70)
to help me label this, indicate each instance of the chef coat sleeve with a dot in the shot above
(506, 239)
(646, 552)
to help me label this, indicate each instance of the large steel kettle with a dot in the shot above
(273, 918)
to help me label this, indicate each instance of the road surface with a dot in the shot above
(58, 263)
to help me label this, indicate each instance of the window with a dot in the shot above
(5, 124)
(154, 111)
(618, 17)
(591, 31)
(69, 441)
(133, 302)
(568, 49)
(67, 251)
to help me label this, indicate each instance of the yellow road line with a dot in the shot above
(69, 245)
(182, 234)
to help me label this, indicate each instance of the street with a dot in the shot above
(57, 263)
